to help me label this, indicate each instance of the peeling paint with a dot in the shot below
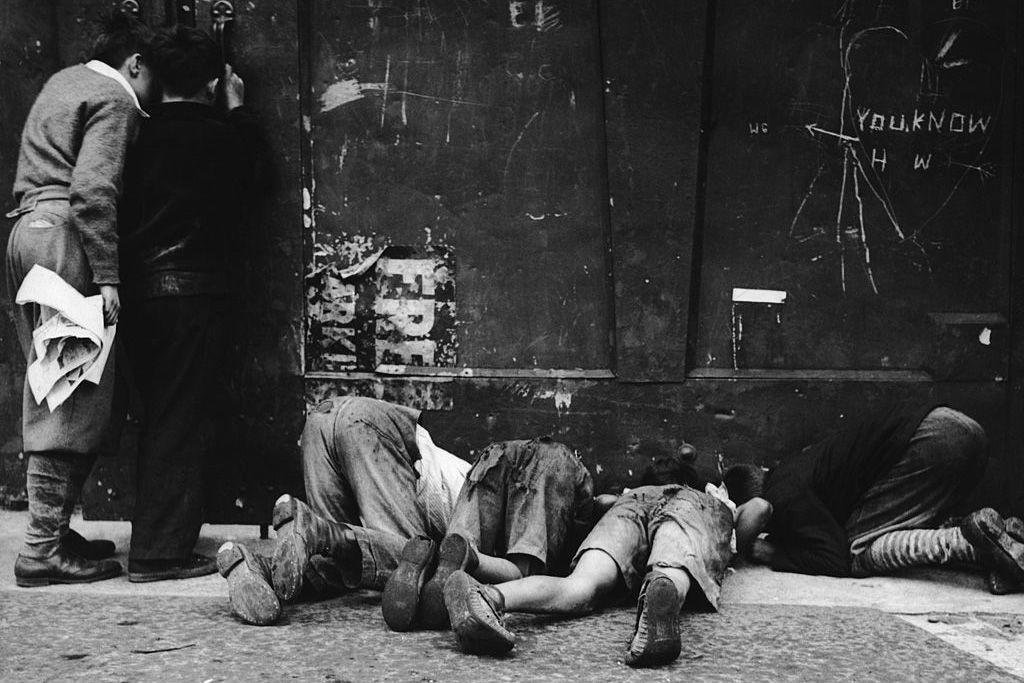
(563, 400)
(345, 91)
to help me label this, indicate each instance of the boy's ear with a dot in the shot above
(134, 65)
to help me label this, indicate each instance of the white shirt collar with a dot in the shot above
(105, 69)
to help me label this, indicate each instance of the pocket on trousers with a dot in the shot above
(42, 220)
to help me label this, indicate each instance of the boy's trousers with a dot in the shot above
(358, 454)
(176, 348)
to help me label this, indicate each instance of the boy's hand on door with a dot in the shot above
(234, 88)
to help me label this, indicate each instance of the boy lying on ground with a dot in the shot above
(390, 510)
(868, 501)
(670, 543)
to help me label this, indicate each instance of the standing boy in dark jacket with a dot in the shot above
(67, 186)
(190, 178)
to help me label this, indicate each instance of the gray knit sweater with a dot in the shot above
(75, 137)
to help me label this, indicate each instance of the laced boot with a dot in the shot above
(64, 566)
(476, 615)
(656, 637)
(998, 581)
(997, 549)
(301, 534)
(250, 591)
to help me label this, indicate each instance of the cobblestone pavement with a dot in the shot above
(923, 625)
(64, 636)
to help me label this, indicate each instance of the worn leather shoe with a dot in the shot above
(998, 581)
(476, 614)
(144, 571)
(656, 638)
(99, 549)
(301, 534)
(250, 593)
(64, 566)
(985, 529)
(455, 553)
(400, 600)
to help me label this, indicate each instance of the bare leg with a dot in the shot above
(680, 578)
(476, 608)
(595, 575)
(491, 569)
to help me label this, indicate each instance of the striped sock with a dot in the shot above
(914, 548)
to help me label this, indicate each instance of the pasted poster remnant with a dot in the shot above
(394, 308)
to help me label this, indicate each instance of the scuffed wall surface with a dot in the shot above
(469, 127)
(28, 55)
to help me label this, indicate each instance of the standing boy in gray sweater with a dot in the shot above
(67, 186)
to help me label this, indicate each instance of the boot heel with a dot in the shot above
(31, 583)
(284, 511)
(228, 557)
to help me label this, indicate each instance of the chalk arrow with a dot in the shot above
(812, 129)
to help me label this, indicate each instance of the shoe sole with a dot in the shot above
(661, 612)
(173, 575)
(1007, 553)
(251, 597)
(452, 556)
(46, 580)
(400, 600)
(290, 556)
(469, 620)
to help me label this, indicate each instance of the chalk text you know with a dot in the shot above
(939, 121)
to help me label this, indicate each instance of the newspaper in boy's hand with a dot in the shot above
(71, 345)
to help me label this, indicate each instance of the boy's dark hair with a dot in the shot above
(185, 59)
(744, 481)
(666, 467)
(120, 37)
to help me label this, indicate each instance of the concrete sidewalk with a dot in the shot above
(783, 625)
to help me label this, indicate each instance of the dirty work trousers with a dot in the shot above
(944, 461)
(358, 454)
(61, 446)
(176, 348)
(672, 526)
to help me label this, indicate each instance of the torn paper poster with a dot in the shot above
(72, 344)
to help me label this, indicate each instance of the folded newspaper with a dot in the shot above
(71, 344)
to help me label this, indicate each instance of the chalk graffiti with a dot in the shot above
(865, 137)
(537, 14)
(923, 122)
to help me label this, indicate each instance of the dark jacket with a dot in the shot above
(813, 493)
(189, 180)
